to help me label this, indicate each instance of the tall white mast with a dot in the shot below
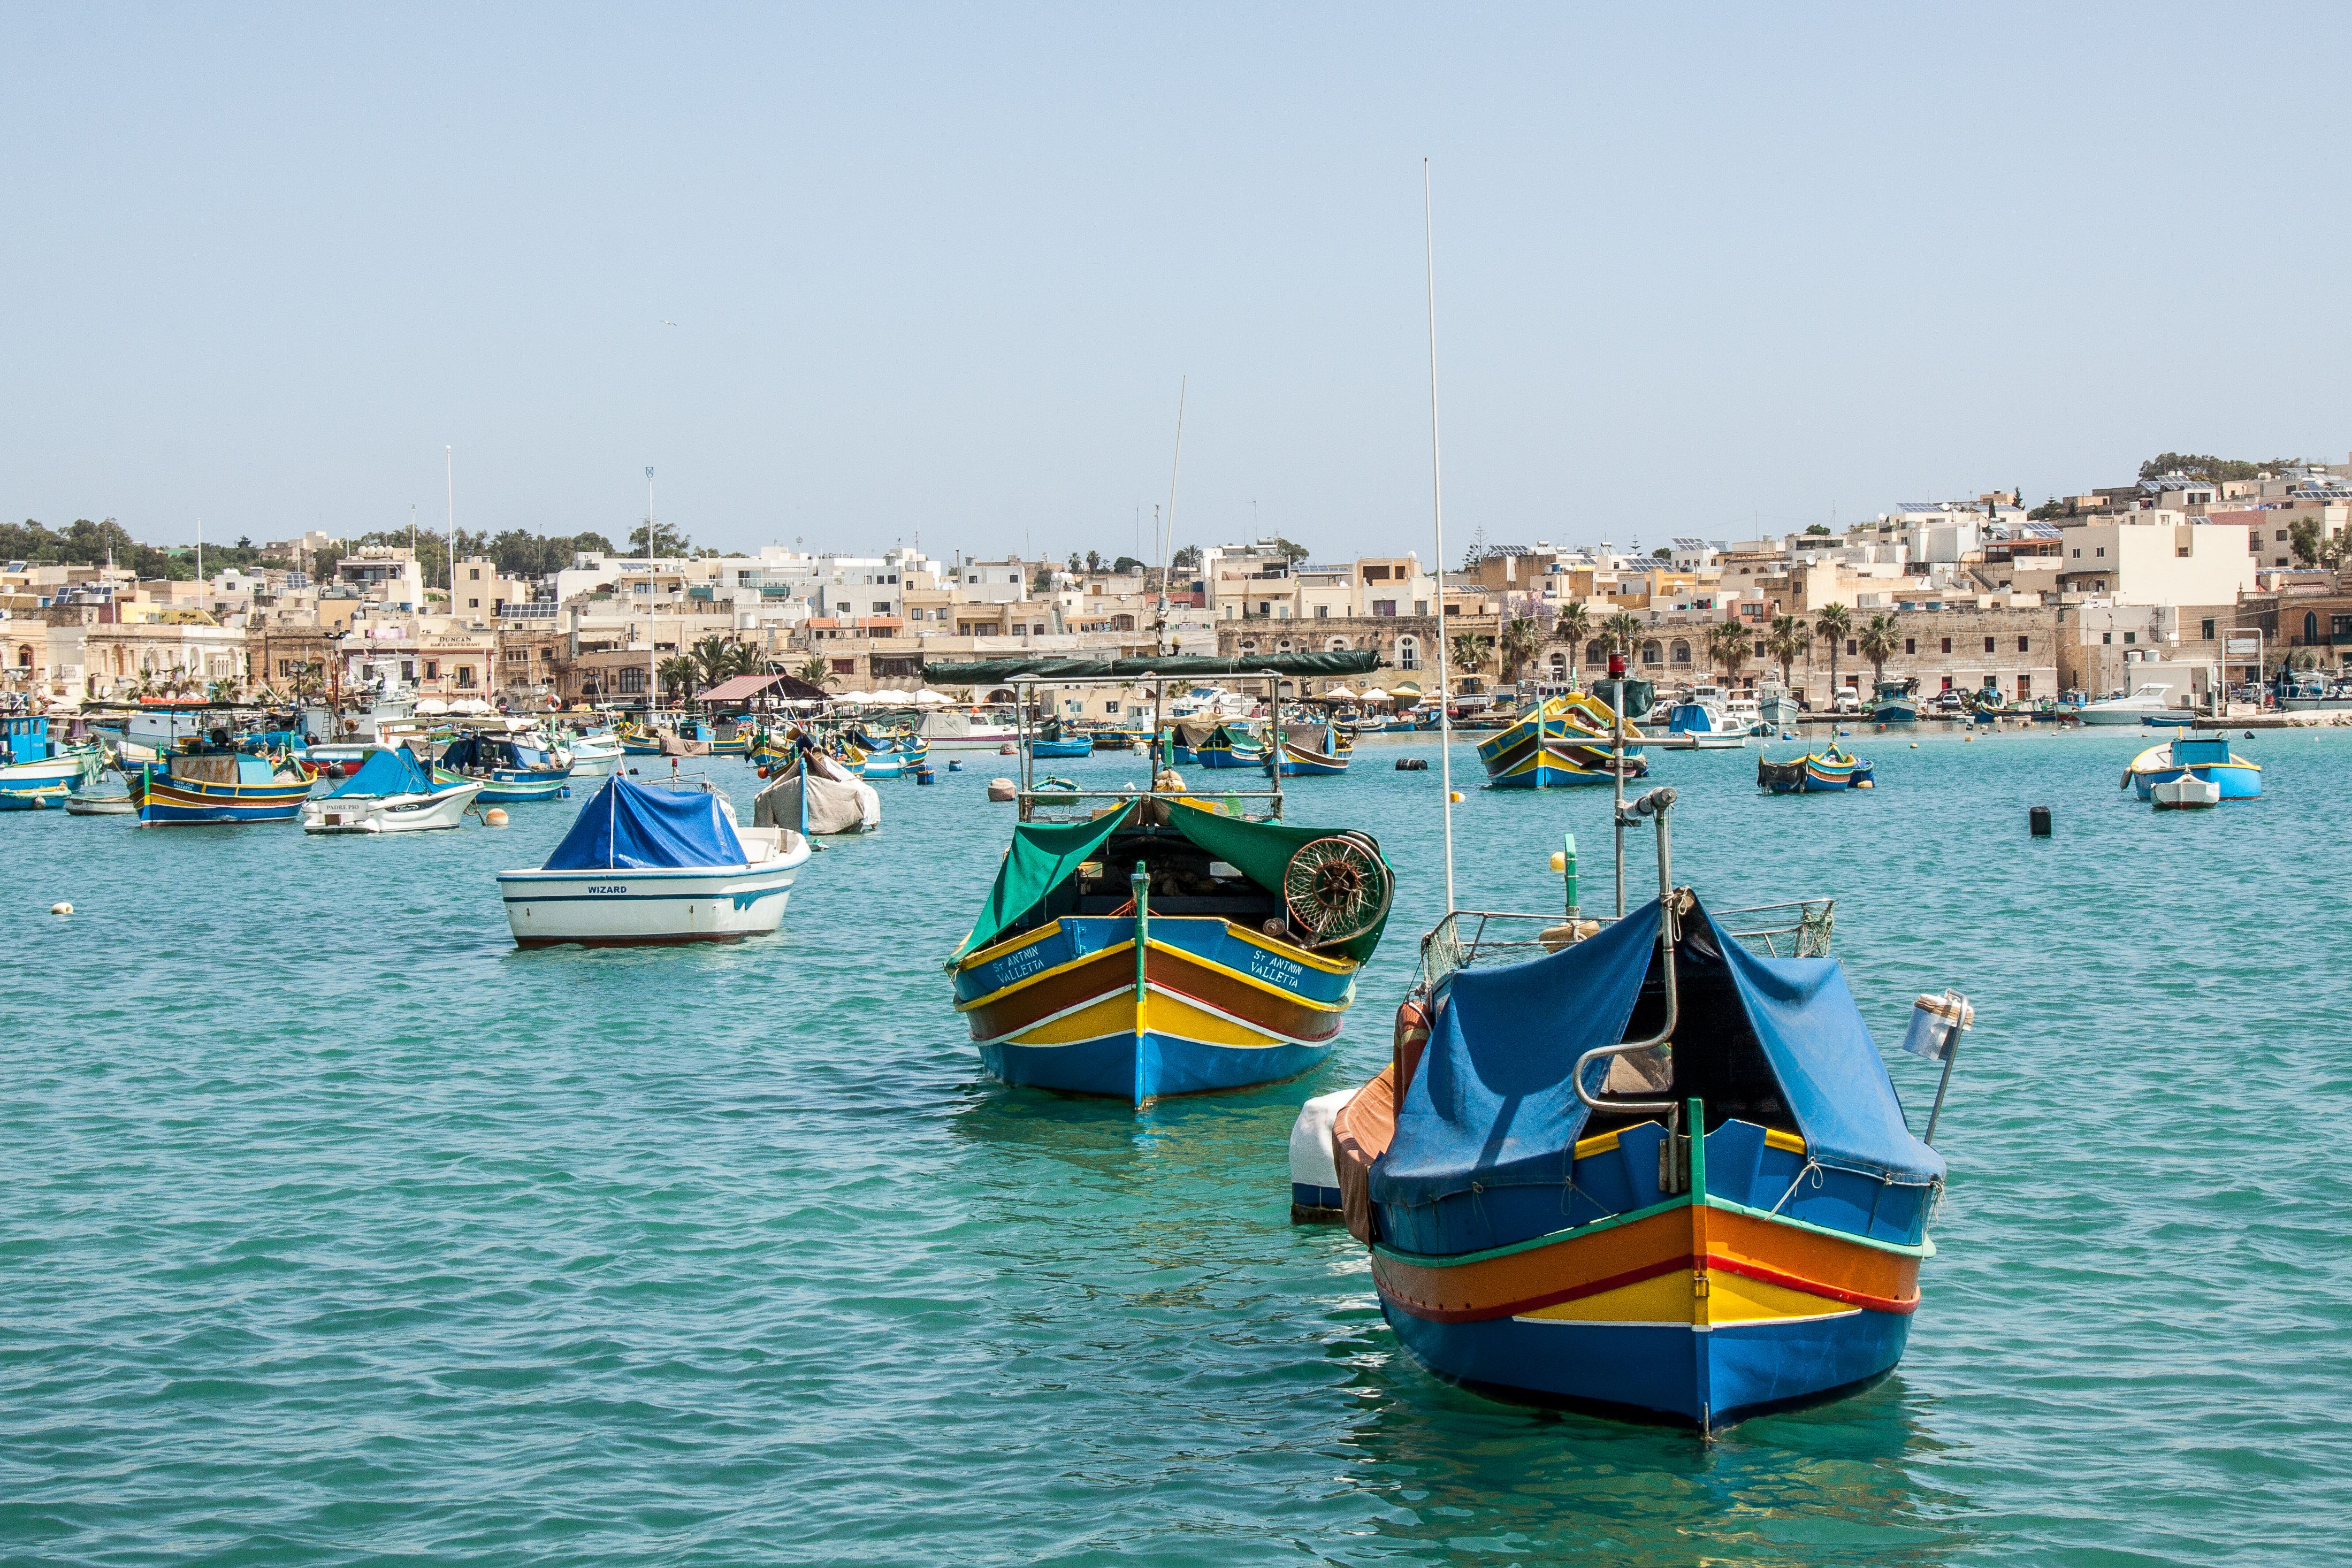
(449, 456)
(1437, 505)
(1159, 632)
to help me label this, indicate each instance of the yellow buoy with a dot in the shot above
(1558, 863)
(61, 909)
(1456, 797)
(495, 817)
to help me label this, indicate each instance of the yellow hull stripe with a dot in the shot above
(1708, 1299)
(1170, 1014)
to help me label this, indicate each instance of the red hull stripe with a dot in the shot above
(1650, 1272)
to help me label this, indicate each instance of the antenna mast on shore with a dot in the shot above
(1160, 631)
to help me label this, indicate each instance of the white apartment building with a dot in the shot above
(2159, 556)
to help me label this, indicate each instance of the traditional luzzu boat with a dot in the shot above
(2202, 757)
(390, 793)
(1564, 740)
(1299, 759)
(644, 867)
(1226, 749)
(504, 769)
(1162, 947)
(1654, 1165)
(219, 786)
(1835, 768)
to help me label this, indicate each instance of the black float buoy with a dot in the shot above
(1413, 764)
(2039, 817)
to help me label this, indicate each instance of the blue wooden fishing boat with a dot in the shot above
(1163, 947)
(1299, 759)
(1229, 747)
(1052, 738)
(498, 764)
(1564, 740)
(1835, 768)
(33, 765)
(219, 786)
(1654, 1166)
(2204, 756)
(1896, 702)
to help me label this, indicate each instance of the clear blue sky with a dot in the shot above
(937, 271)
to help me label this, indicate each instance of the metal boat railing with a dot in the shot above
(1468, 938)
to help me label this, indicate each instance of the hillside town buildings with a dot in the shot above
(2090, 592)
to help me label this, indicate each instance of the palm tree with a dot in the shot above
(1879, 642)
(1833, 625)
(816, 672)
(1468, 651)
(677, 672)
(1728, 640)
(1786, 640)
(1519, 642)
(1574, 625)
(222, 690)
(1623, 629)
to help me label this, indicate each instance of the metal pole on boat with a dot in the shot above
(1140, 883)
(1437, 506)
(1963, 1015)
(1616, 766)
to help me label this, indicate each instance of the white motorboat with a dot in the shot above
(390, 793)
(1700, 721)
(968, 729)
(643, 866)
(594, 755)
(2186, 793)
(2143, 700)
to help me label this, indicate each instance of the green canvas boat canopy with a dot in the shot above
(1174, 666)
(1044, 854)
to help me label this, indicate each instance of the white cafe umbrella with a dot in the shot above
(432, 705)
(930, 698)
(1375, 694)
(1340, 692)
(858, 699)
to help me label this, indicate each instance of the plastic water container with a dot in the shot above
(1936, 1023)
(1314, 1176)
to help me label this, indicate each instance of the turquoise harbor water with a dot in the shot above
(336, 1230)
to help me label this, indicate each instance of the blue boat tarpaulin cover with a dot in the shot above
(648, 830)
(1828, 1067)
(391, 771)
(1491, 1104)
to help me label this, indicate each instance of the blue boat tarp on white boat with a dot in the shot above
(1491, 1105)
(626, 825)
(391, 771)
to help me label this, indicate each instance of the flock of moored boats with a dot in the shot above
(1648, 1161)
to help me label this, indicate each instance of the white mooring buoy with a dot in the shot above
(61, 909)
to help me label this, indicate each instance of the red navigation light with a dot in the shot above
(1616, 665)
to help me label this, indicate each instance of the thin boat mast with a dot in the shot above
(1437, 505)
(1159, 631)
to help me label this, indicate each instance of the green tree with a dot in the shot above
(1468, 652)
(816, 672)
(652, 539)
(1127, 563)
(1834, 623)
(1786, 640)
(1622, 630)
(1728, 640)
(1521, 638)
(1291, 551)
(677, 673)
(1572, 627)
(1094, 561)
(1186, 559)
(2314, 547)
(1881, 640)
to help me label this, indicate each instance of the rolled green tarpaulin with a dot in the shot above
(1041, 856)
(1175, 667)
